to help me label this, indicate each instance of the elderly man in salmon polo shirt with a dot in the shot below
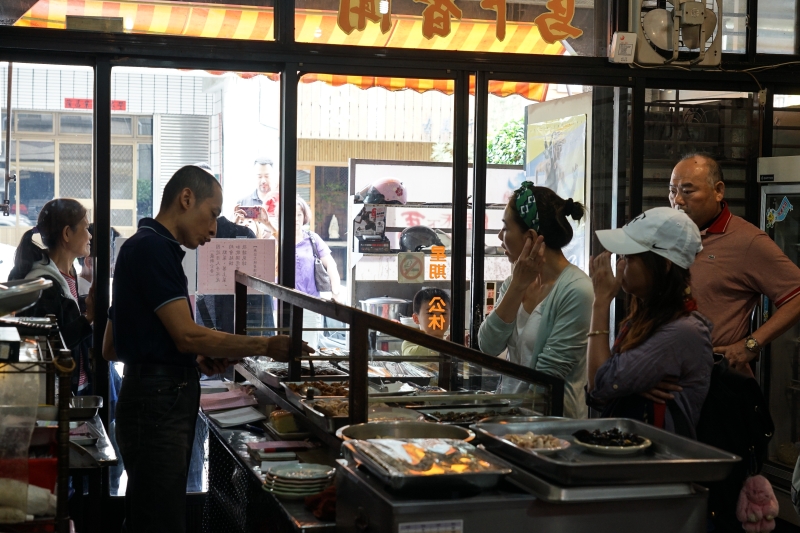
(738, 263)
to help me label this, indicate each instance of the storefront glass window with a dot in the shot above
(179, 117)
(677, 123)
(47, 162)
(786, 125)
(734, 25)
(776, 26)
(223, 20)
(504, 26)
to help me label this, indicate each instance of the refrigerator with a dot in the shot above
(779, 368)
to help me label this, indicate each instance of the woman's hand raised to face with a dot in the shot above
(606, 284)
(528, 265)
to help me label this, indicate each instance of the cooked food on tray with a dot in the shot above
(426, 457)
(332, 407)
(465, 417)
(611, 437)
(336, 388)
(531, 441)
(333, 351)
(282, 369)
(283, 421)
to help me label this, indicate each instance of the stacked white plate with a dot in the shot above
(296, 481)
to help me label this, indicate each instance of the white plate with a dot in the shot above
(236, 417)
(615, 450)
(302, 472)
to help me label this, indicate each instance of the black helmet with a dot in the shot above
(416, 238)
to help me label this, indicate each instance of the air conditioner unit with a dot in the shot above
(677, 32)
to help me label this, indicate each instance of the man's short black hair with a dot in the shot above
(192, 177)
(426, 294)
(263, 161)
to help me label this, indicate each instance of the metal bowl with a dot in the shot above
(84, 407)
(403, 430)
(20, 294)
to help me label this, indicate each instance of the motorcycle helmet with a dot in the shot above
(416, 238)
(383, 191)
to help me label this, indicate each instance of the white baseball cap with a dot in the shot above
(664, 231)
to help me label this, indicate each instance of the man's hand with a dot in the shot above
(662, 392)
(278, 348)
(210, 366)
(737, 355)
(239, 216)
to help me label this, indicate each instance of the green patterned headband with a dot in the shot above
(526, 206)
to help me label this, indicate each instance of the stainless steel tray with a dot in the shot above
(274, 381)
(455, 482)
(554, 493)
(294, 397)
(671, 459)
(491, 410)
(333, 423)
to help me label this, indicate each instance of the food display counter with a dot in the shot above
(410, 477)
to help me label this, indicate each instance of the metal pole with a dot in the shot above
(6, 205)
(478, 205)
(358, 371)
(65, 366)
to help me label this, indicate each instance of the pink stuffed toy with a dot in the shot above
(757, 507)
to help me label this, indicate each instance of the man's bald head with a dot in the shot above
(697, 188)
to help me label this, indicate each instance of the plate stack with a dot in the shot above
(298, 480)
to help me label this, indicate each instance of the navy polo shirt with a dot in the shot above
(148, 275)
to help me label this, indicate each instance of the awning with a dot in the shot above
(314, 26)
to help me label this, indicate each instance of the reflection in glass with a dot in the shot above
(122, 171)
(734, 25)
(145, 126)
(121, 126)
(144, 181)
(36, 178)
(786, 125)
(776, 26)
(76, 123)
(75, 170)
(35, 122)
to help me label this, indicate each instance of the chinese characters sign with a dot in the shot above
(436, 313)
(219, 259)
(88, 103)
(437, 268)
(554, 25)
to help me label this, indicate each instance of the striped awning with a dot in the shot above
(312, 26)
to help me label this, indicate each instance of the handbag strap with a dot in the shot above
(313, 244)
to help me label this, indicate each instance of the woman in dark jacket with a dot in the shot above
(63, 228)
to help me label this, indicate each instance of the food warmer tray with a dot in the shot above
(554, 493)
(452, 482)
(332, 423)
(491, 410)
(422, 381)
(670, 459)
(295, 399)
(274, 381)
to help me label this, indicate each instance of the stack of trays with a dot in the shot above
(298, 480)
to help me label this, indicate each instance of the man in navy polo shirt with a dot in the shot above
(151, 330)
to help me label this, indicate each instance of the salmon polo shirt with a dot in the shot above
(739, 263)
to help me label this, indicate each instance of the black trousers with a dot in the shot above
(155, 427)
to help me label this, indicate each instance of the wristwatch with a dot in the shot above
(752, 345)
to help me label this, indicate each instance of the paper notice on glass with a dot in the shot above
(218, 261)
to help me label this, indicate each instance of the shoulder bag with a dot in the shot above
(321, 277)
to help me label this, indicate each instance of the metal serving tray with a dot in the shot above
(274, 381)
(332, 423)
(294, 397)
(498, 410)
(454, 482)
(670, 459)
(554, 493)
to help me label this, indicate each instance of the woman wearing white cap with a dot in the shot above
(663, 338)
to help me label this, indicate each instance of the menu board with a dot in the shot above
(219, 259)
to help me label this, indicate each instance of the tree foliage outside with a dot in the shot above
(507, 146)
